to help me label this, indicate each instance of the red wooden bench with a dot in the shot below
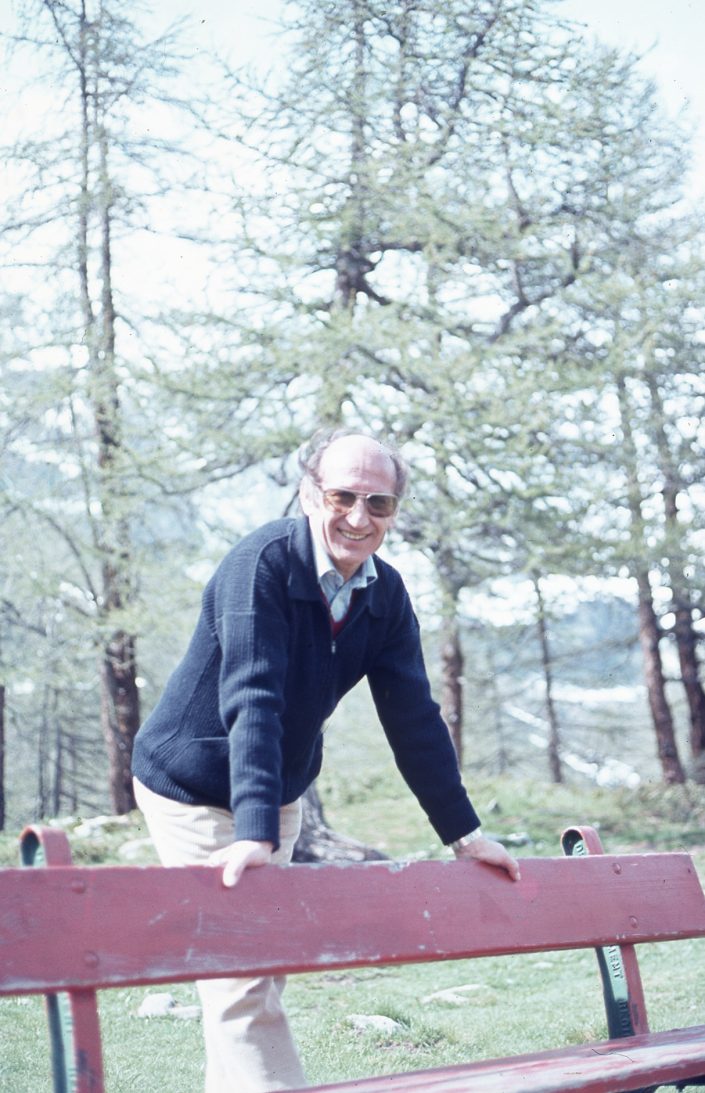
(69, 931)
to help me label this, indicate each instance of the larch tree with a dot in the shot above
(612, 352)
(671, 364)
(101, 216)
(397, 243)
(71, 204)
(631, 335)
(447, 192)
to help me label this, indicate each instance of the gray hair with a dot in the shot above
(311, 454)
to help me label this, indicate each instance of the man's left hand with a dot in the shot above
(491, 852)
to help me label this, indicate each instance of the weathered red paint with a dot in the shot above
(80, 929)
(95, 927)
(74, 1023)
(607, 1067)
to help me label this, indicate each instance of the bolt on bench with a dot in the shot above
(68, 931)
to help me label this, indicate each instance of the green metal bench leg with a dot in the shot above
(74, 1027)
(621, 980)
(622, 988)
(619, 969)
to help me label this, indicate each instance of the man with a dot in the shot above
(295, 615)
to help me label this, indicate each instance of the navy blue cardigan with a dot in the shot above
(239, 723)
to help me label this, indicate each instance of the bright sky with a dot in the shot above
(672, 33)
(675, 30)
(674, 36)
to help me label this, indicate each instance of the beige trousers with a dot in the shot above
(249, 1046)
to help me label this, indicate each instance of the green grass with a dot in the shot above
(510, 1004)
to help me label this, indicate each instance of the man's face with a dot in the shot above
(350, 463)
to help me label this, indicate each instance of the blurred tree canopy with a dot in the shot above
(458, 224)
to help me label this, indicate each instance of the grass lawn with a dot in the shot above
(496, 1006)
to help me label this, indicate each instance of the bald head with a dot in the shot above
(311, 457)
(361, 457)
(345, 494)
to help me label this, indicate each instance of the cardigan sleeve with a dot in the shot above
(252, 627)
(417, 734)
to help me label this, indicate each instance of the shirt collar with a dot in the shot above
(365, 575)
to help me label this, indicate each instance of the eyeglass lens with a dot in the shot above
(378, 504)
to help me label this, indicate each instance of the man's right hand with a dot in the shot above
(239, 856)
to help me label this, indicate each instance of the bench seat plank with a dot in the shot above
(603, 1067)
(97, 927)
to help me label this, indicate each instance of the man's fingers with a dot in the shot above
(232, 873)
(239, 856)
(493, 853)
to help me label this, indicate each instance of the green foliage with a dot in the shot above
(113, 412)
(464, 226)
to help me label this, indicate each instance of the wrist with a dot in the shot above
(458, 845)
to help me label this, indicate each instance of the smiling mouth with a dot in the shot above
(349, 535)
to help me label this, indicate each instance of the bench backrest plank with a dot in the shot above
(108, 926)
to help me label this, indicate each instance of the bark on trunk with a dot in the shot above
(649, 629)
(452, 667)
(58, 779)
(120, 717)
(120, 707)
(686, 643)
(684, 633)
(554, 732)
(649, 638)
(319, 843)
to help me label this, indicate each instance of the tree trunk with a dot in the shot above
(319, 843)
(649, 629)
(352, 263)
(452, 667)
(649, 638)
(554, 732)
(120, 707)
(451, 651)
(120, 717)
(59, 772)
(683, 631)
(686, 643)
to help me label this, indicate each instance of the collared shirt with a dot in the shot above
(337, 591)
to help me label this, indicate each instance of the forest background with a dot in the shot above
(470, 227)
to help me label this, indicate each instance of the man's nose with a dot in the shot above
(358, 513)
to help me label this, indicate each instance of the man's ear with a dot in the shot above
(307, 495)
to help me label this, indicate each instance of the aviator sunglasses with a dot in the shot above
(377, 504)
